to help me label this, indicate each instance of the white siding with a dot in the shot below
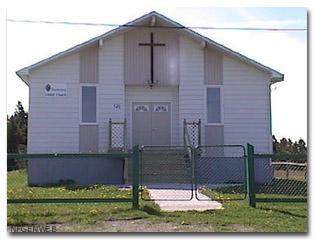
(111, 86)
(191, 88)
(156, 94)
(53, 122)
(246, 105)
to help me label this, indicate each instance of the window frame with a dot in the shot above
(220, 87)
(80, 103)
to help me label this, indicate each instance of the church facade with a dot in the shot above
(139, 83)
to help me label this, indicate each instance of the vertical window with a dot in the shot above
(214, 105)
(89, 102)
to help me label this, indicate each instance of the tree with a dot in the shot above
(286, 146)
(21, 120)
(275, 143)
(16, 134)
(17, 130)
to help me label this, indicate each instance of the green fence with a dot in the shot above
(220, 172)
(276, 177)
(184, 173)
(204, 170)
(20, 191)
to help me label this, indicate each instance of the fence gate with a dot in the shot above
(183, 173)
(168, 172)
(220, 172)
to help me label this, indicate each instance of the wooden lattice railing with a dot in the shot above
(117, 136)
(192, 133)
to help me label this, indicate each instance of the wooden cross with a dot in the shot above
(152, 45)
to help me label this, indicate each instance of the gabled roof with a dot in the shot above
(274, 75)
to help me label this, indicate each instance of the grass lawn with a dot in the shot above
(237, 215)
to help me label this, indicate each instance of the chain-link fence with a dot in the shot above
(220, 172)
(276, 177)
(167, 172)
(280, 178)
(184, 173)
(170, 172)
(70, 177)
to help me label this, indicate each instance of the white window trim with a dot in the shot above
(206, 107)
(80, 103)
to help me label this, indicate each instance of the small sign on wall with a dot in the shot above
(56, 90)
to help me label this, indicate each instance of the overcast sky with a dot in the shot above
(286, 52)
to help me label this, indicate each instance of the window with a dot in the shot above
(213, 105)
(89, 104)
(161, 108)
(141, 108)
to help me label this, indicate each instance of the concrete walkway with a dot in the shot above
(171, 200)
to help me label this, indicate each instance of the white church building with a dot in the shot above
(138, 84)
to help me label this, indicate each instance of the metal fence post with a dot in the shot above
(184, 132)
(250, 169)
(199, 132)
(193, 168)
(135, 184)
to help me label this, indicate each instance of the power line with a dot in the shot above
(141, 26)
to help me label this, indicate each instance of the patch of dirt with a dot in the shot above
(241, 228)
(235, 228)
(143, 225)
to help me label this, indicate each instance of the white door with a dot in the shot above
(151, 124)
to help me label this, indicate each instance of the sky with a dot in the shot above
(285, 52)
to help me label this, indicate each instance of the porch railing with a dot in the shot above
(192, 133)
(117, 136)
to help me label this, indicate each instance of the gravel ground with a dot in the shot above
(142, 225)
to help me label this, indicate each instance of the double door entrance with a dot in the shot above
(151, 123)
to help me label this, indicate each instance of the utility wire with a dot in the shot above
(141, 26)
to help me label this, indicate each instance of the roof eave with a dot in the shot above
(23, 75)
(277, 78)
